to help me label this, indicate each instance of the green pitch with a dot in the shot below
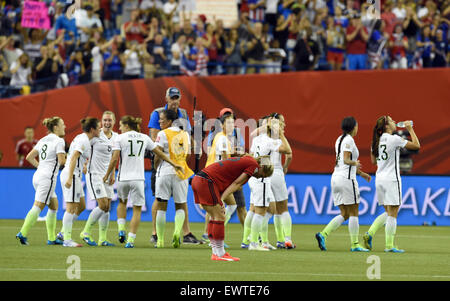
(426, 257)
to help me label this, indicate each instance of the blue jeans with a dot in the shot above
(357, 61)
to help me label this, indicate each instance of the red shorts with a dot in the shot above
(205, 191)
(337, 57)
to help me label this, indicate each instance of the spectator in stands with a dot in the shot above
(11, 51)
(234, 49)
(24, 146)
(128, 6)
(97, 58)
(171, 10)
(389, 18)
(113, 65)
(158, 51)
(131, 59)
(243, 27)
(441, 23)
(199, 27)
(256, 46)
(376, 45)
(211, 41)
(426, 11)
(178, 49)
(3, 67)
(306, 52)
(426, 46)
(135, 29)
(75, 66)
(188, 31)
(20, 74)
(411, 27)
(339, 18)
(357, 37)
(105, 5)
(440, 50)
(398, 44)
(199, 53)
(32, 42)
(87, 23)
(68, 25)
(116, 11)
(256, 10)
(46, 69)
(335, 44)
(281, 32)
(400, 10)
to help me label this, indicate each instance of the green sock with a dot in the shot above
(103, 223)
(160, 224)
(179, 221)
(377, 223)
(30, 220)
(67, 225)
(96, 213)
(286, 221)
(247, 226)
(265, 227)
(50, 222)
(278, 227)
(353, 229)
(229, 210)
(256, 227)
(391, 226)
(131, 237)
(332, 225)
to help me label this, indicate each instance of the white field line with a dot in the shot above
(222, 272)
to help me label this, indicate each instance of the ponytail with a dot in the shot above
(347, 126)
(132, 122)
(339, 147)
(378, 130)
(89, 123)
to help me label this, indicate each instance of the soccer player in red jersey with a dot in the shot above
(216, 183)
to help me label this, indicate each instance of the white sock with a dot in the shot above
(265, 226)
(391, 225)
(67, 225)
(103, 221)
(353, 229)
(96, 213)
(286, 221)
(248, 219)
(121, 221)
(256, 227)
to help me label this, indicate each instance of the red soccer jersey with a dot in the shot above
(23, 147)
(223, 173)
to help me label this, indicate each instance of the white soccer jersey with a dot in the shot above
(82, 144)
(222, 145)
(263, 145)
(132, 146)
(389, 157)
(347, 145)
(164, 167)
(49, 147)
(101, 153)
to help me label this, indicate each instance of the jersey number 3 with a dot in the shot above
(384, 155)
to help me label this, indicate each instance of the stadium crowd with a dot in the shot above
(129, 39)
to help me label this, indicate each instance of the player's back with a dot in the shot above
(223, 173)
(132, 146)
(48, 148)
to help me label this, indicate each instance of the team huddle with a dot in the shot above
(217, 188)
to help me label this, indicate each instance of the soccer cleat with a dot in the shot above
(54, 242)
(205, 238)
(268, 246)
(227, 255)
(367, 240)
(190, 239)
(176, 241)
(122, 236)
(289, 244)
(256, 247)
(223, 258)
(244, 245)
(280, 245)
(159, 244)
(358, 248)
(153, 238)
(22, 239)
(129, 245)
(60, 236)
(321, 241)
(87, 239)
(71, 244)
(106, 243)
(394, 250)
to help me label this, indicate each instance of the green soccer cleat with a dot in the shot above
(367, 240)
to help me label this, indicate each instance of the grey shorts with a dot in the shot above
(239, 197)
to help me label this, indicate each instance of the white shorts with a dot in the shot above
(98, 189)
(45, 189)
(167, 186)
(75, 192)
(389, 193)
(132, 190)
(260, 193)
(345, 191)
(278, 185)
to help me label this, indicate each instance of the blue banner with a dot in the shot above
(425, 199)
